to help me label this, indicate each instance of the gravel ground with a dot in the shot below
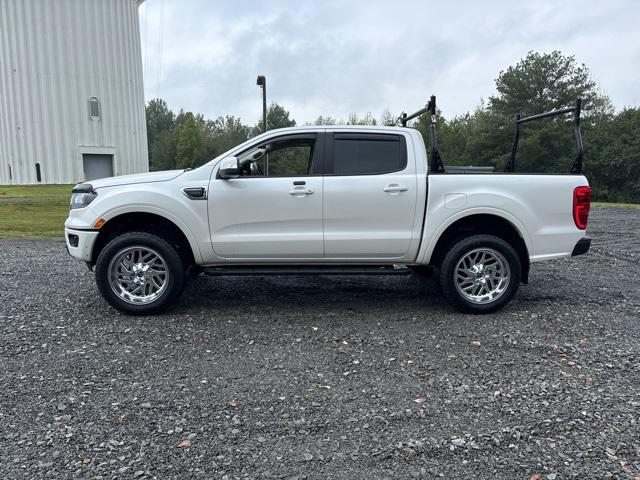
(324, 377)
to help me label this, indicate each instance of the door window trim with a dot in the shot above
(317, 158)
(329, 156)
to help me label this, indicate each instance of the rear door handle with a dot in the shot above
(395, 188)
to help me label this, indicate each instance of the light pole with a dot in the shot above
(262, 82)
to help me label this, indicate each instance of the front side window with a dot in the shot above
(287, 157)
(368, 154)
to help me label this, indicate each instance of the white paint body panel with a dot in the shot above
(364, 222)
(361, 220)
(540, 207)
(163, 198)
(347, 220)
(257, 218)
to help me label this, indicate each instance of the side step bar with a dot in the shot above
(308, 270)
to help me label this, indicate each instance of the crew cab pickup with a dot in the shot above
(325, 200)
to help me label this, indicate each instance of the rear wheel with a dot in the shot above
(140, 273)
(480, 274)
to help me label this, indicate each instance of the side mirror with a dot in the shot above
(254, 157)
(229, 168)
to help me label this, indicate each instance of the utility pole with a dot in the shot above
(262, 82)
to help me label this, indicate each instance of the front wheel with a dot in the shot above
(480, 274)
(140, 273)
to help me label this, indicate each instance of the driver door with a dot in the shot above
(274, 209)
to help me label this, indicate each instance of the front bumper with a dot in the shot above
(582, 246)
(80, 243)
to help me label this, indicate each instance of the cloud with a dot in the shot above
(335, 57)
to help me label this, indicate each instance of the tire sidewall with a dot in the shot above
(170, 255)
(461, 248)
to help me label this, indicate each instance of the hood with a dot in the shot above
(135, 178)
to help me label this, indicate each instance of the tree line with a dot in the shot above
(537, 83)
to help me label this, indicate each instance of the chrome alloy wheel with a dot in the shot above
(138, 275)
(482, 275)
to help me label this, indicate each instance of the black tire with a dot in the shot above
(174, 265)
(459, 250)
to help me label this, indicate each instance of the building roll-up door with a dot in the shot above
(97, 166)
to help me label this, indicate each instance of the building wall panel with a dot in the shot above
(55, 56)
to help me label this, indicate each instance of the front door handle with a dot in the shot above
(300, 191)
(395, 188)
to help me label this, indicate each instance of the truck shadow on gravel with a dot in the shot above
(372, 295)
(236, 295)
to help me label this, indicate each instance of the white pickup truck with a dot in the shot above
(325, 200)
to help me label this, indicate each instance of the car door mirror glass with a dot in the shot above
(229, 168)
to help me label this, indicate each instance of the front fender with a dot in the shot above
(143, 208)
(160, 199)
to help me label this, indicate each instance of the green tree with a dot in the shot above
(159, 126)
(545, 81)
(192, 139)
(539, 82)
(163, 152)
(277, 117)
(368, 119)
(227, 132)
(612, 157)
(324, 121)
(388, 118)
(159, 117)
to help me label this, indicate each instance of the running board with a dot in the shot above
(308, 270)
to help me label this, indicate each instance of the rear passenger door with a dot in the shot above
(369, 200)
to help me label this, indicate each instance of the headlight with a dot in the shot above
(81, 196)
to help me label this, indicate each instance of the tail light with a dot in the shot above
(581, 204)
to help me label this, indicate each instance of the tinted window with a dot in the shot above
(287, 157)
(290, 160)
(368, 154)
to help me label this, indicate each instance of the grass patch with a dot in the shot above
(615, 205)
(33, 210)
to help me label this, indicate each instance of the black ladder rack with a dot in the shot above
(436, 162)
(577, 164)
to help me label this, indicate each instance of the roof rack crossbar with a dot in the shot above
(430, 107)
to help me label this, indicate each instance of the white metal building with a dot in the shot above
(71, 91)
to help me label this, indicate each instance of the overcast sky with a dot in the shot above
(336, 57)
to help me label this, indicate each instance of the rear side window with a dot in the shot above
(368, 154)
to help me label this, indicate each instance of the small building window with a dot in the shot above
(38, 174)
(94, 108)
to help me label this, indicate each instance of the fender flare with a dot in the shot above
(426, 252)
(145, 208)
